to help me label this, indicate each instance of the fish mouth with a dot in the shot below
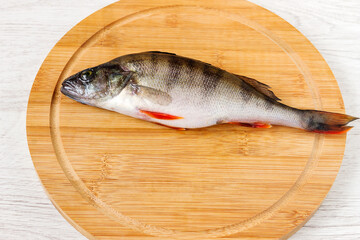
(67, 89)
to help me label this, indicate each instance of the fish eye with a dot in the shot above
(87, 75)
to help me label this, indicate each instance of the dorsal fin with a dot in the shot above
(161, 52)
(260, 87)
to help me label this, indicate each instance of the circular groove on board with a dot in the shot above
(159, 231)
(310, 168)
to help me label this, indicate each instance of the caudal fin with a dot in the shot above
(326, 122)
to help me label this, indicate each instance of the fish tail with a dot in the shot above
(326, 122)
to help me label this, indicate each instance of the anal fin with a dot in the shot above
(252, 125)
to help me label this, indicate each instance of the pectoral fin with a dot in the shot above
(151, 94)
(260, 87)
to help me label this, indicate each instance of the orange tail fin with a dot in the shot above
(326, 122)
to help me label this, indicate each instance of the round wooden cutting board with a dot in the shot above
(116, 177)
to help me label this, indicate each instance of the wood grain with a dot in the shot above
(116, 176)
(30, 28)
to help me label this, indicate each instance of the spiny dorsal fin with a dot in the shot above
(260, 87)
(162, 52)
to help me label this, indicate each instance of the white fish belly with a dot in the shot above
(199, 114)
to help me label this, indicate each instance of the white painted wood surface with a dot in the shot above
(30, 28)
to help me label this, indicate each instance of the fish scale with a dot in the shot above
(185, 93)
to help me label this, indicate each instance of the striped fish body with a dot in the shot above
(185, 93)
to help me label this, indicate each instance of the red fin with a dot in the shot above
(339, 130)
(158, 115)
(253, 125)
(176, 128)
(326, 122)
(241, 124)
(261, 125)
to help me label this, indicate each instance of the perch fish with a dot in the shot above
(184, 93)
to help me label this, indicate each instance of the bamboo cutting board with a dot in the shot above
(115, 177)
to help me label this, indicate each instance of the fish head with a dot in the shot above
(94, 85)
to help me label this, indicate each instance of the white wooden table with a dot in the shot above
(30, 28)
